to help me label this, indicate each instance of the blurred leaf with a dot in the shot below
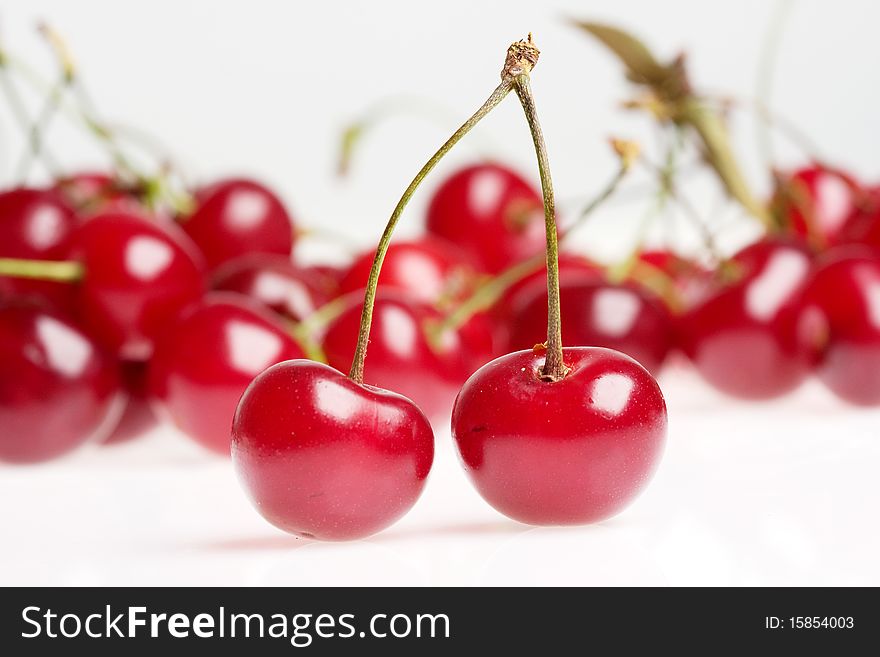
(641, 64)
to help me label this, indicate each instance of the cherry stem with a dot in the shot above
(554, 366)
(521, 58)
(47, 270)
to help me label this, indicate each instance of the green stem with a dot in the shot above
(360, 354)
(554, 365)
(47, 270)
(41, 125)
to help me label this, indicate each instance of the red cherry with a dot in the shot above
(429, 270)
(599, 314)
(91, 192)
(401, 356)
(744, 338)
(276, 282)
(863, 227)
(329, 277)
(491, 213)
(58, 390)
(138, 417)
(324, 457)
(824, 196)
(207, 358)
(239, 216)
(843, 302)
(138, 276)
(36, 224)
(571, 267)
(692, 281)
(575, 451)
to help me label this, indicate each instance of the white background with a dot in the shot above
(779, 493)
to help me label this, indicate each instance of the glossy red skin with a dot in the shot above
(571, 452)
(206, 359)
(843, 308)
(863, 227)
(571, 267)
(323, 457)
(490, 213)
(399, 356)
(692, 281)
(429, 270)
(744, 339)
(138, 417)
(58, 390)
(274, 281)
(139, 275)
(238, 216)
(827, 197)
(36, 224)
(599, 314)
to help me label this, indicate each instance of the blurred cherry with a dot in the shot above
(429, 270)
(491, 213)
(323, 457)
(58, 390)
(863, 227)
(598, 314)
(842, 317)
(138, 275)
(206, 359)
(404, 356)
(691, 281)
(744, 338)
(573, 451)
(92, 192)
(238, 216)
(276, 282)
(138, 417)
(571, 267)
(36, 224)
(817, 198)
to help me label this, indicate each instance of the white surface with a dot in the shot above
(778, 494)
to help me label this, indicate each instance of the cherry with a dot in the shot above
(430, 270)
(572, 451)
(691, 281)
(863, 227)
(238, 216)
(403, 357)
(138, 417)
(491, 213)
(599, 314)
(842, 302)
(572, 266)
(328, 277)
(138, 275)
(324, 457)
(91, 192)
(36, 224)
(207, 358)
(276, 282)
(815, 198)
(744, 338)
(58, 390)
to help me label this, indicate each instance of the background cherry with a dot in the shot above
(401, 357)
(324, 457)
(138, 276)
(58, 390)
(91, 192)
(138, 416)
(598, 314)
(491, 213)
(429, 270)
(276, 282)
(36, 224)
(744, 339)
(843, 316)
(573, 451)
(238, 216)
(206, 359)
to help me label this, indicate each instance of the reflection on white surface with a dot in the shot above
(610, 394)
(768, 291)
(252, 348)
(147, 257)
(67, 352)
(43, 229)
(246, 209)
(615, 311)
